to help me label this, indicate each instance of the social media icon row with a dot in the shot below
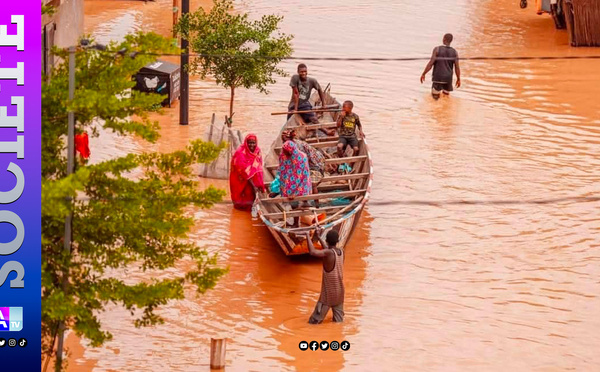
(324, 345)
(13, 342)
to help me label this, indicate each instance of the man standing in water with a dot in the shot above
(332, 285)
(444, 60)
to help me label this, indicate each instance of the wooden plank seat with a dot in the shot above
(343, 210)
(331, 124)
(306, 212)
(332, 187)
(338, 178)
(349, 159)
(319, 145)
(344, 177)
(316, 145)
(313, 140)
(319, 196)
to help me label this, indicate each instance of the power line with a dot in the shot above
(572, 199)
(133, 54)
(388, 59)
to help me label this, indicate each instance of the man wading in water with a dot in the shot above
(332, 285)
(443, 68)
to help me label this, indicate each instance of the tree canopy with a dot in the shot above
(119, 220)
(236, 51)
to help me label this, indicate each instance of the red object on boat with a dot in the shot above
(82, 145)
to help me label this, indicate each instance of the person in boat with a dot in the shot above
(348, 123)
(443, 69)
(302, 87)
(332, 283)
(294, 174)
(246, 175)
(316, 159)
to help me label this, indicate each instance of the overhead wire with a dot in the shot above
(122, 52)
(542, 201)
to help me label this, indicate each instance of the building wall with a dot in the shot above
(583, 22)
(68, 20)
(62, 29)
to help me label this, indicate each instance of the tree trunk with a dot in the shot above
(231, 104)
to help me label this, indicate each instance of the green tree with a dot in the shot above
(48, 9)
(119, 221)
(236, 51)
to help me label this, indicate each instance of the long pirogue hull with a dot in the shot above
(341, 197)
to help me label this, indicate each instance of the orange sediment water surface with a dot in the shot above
(446, 287)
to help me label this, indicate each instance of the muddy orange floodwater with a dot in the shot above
(498, 284)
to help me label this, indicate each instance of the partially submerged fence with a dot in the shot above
(217, 133)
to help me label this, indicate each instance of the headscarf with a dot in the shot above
(294, 172)
(249, 164)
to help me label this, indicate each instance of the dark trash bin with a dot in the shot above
(160, 77)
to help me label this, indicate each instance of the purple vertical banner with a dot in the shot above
(20, 185)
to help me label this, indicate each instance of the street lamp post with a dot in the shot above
(69, 219)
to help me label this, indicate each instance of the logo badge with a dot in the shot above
(303, 345)
(12, 342)
(324, 345)
(345, 345)
(334, 345)
(11, 319)
(22, 342)
(314, 345)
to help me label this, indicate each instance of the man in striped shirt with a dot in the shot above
(332, 284)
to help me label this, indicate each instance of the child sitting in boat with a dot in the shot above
(347, 124)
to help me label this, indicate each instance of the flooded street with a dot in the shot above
(450, 286)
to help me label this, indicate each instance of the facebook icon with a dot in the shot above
(314, 345)
(11, 318)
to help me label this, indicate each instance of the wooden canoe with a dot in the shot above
(332, 191)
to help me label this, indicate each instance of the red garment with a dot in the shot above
(82, 145)
(246, 169)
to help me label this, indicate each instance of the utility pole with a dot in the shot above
(185, 80)
(69, 219)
